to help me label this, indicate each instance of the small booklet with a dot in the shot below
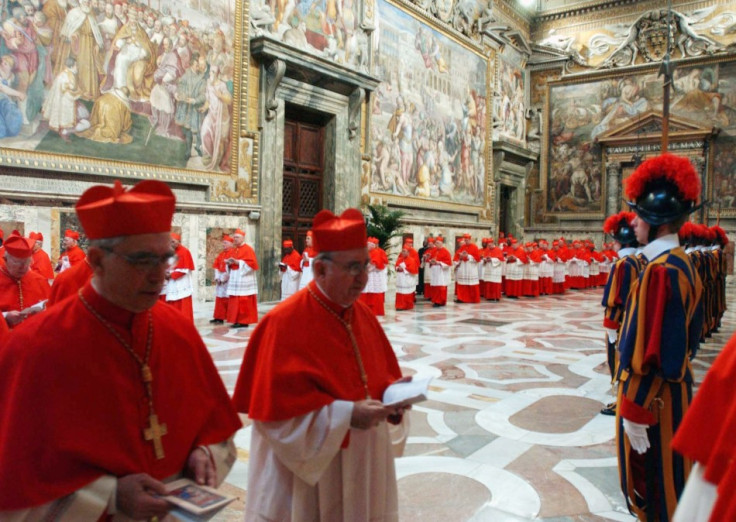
(39, 306)
(192, 499)
(401, 394)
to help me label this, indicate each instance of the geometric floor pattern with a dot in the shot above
(511, 430)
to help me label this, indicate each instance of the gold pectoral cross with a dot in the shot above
(154, 432)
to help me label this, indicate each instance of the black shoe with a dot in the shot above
(436, 305)
(216, 321)
(239, 325)
(609, 410)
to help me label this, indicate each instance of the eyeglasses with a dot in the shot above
(353, 268)
(144, 261)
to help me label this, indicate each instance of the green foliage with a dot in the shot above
(384, 224)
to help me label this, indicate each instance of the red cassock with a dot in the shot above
(86, 417)
(428, 254)
(565, 255)
(75, 254)
(293, 260)
(69, 282)
(375, 300)
(531, 287)
(42, 264)
(404, 297)
(184, 261)
(243, 309)
(285, 375)
(545, 283)
(221, 302)
(439, 292)
(707, 433)
(467, 293)
(513, 287)
(492, 290)
(16, 297)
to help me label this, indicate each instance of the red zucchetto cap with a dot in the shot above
(72, 233)
(439, 238)
(175, 236)
(19, 247)
(36, 236)
(227, 238)
(337, 233)
(309, 233)
(288, 243)
(373, 240)
(239, 232)
(106, 212)
(430, 240)
(467, 235)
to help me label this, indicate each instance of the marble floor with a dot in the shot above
(511, 430)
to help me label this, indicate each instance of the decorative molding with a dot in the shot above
(274, 74)
(588, 8)
(653, 35)
(355, 104)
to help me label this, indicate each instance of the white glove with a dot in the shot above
(612, 335)
(637, 434)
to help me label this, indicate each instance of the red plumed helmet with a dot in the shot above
(663, 189)
(618, 226)
(686, 230)
(721, 236)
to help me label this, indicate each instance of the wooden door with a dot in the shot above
(303, 170)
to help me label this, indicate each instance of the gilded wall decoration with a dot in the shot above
(150, 87)
(582, 109)
(645, 39)
(428, 116)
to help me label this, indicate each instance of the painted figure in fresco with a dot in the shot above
(216, 125)
(61, 107)
(429, 48)
(381, 158)
(110, 120)
(629, 103)
(11, 119)
(133, 60)
(82, 40)
(55, 11)
(163, 104)
(404, 132)
(190, 97)
(446, 184)
(19, 37)
(698, 95)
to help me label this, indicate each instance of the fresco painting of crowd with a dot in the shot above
(579, 113)
(119, 80)
(428, 115)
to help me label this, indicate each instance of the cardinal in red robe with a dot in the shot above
(127, 394)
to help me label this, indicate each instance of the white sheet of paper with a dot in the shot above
(406, 393)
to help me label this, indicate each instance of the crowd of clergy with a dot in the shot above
(496, 269)
(664, 280)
